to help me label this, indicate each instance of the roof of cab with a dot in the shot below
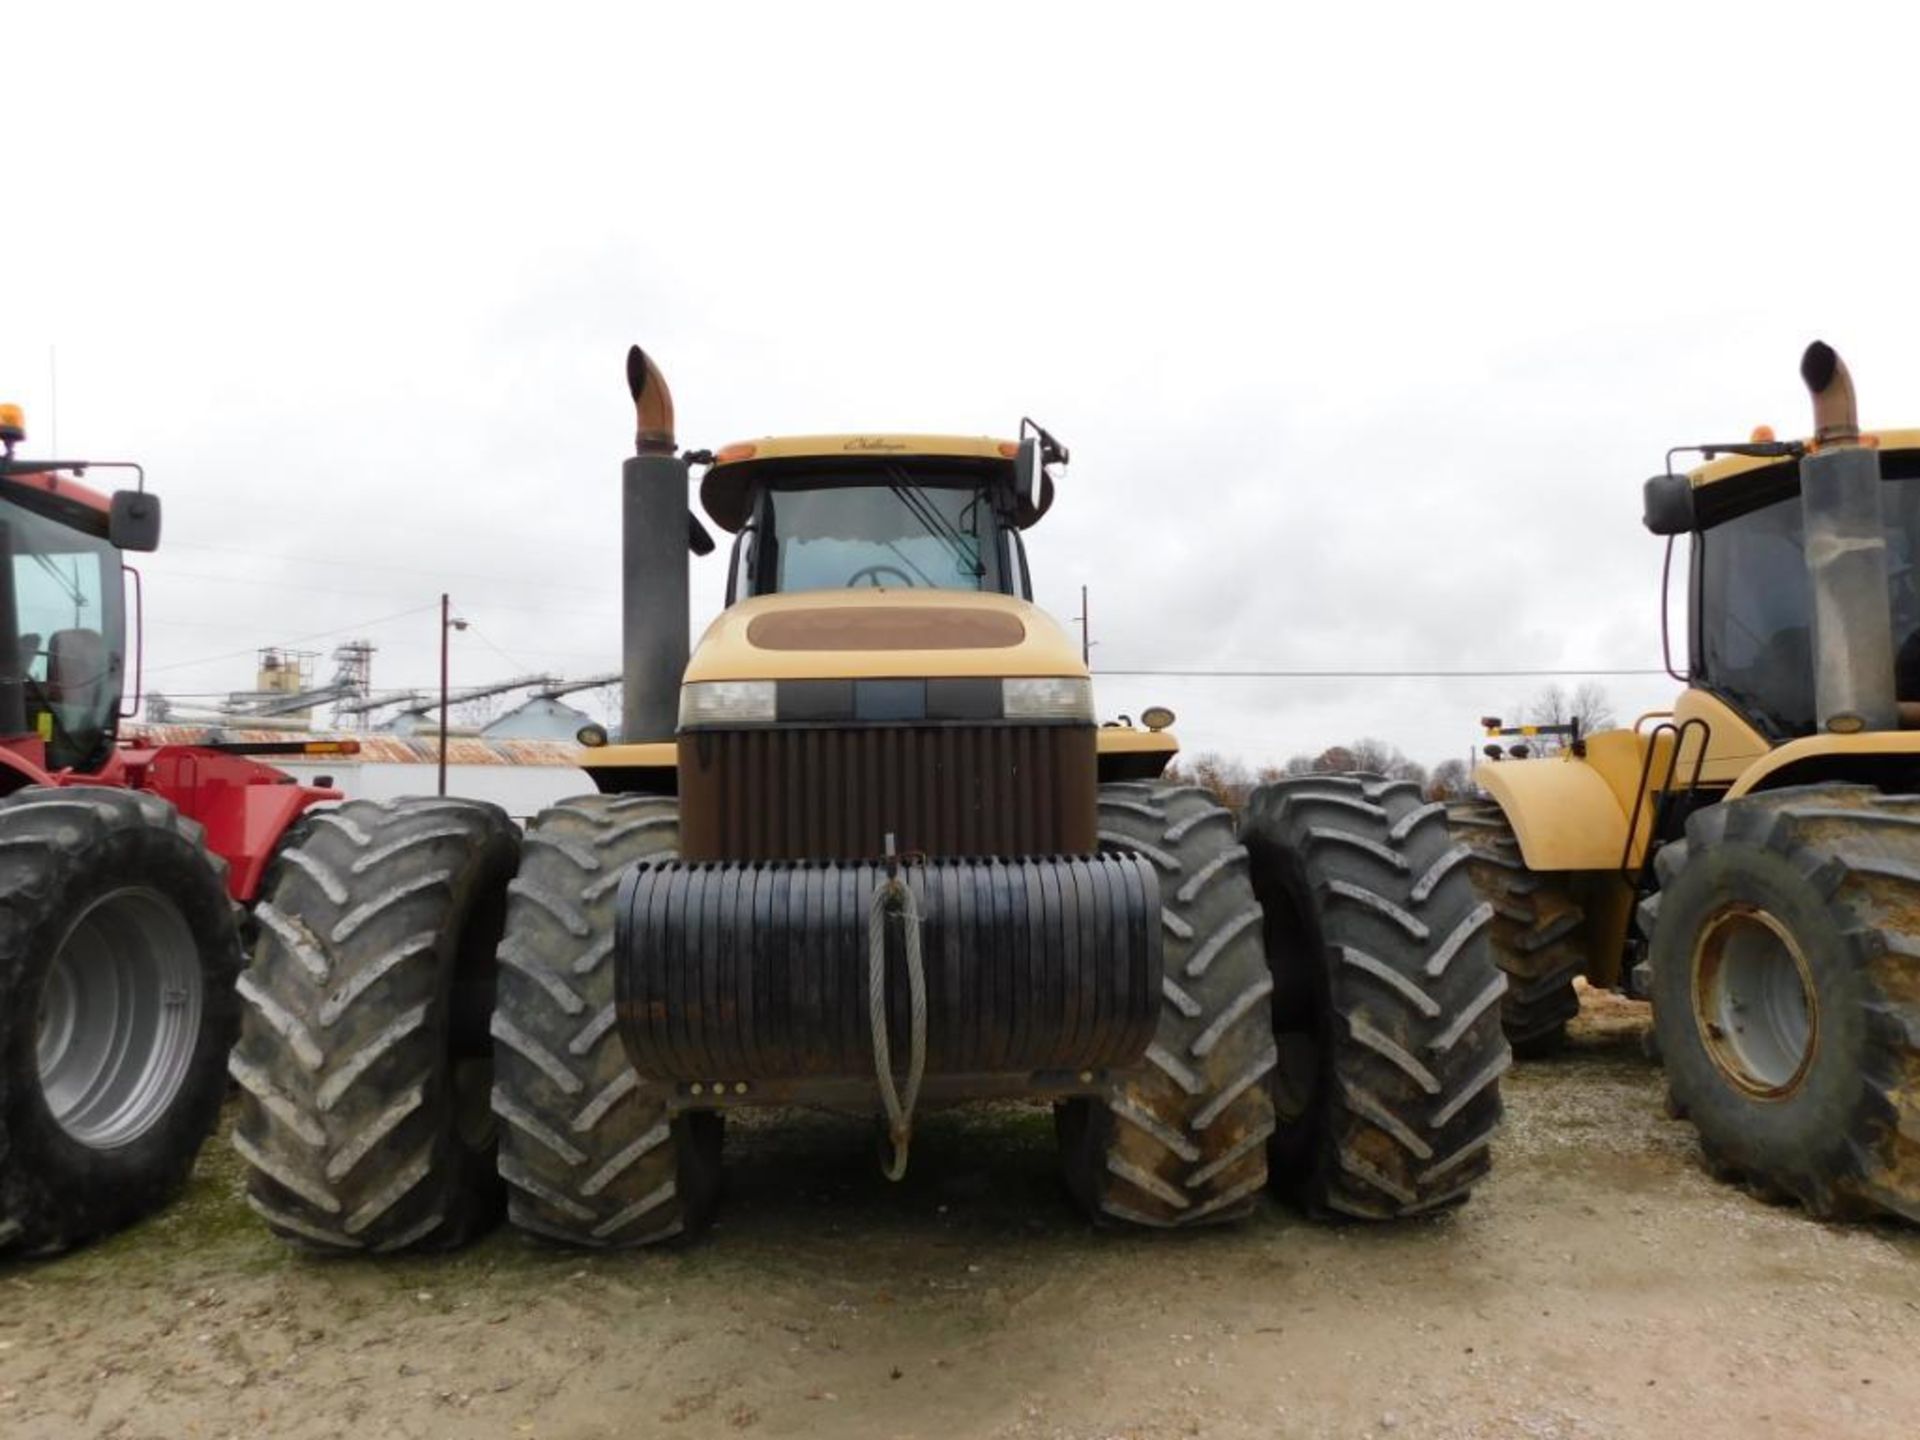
(727, 487)
(1730, 467)
(808, 447)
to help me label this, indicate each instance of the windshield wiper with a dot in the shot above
(907, 560)
(70, 585)
(936, 524)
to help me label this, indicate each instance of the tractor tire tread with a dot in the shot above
(347, 1091)
(1860, 851)
(1181, 1143)
(589, 1155)
(1406, 995)
(1538, 935)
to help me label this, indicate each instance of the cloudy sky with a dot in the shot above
(1364, 325)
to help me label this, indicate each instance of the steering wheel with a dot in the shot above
(872, 575)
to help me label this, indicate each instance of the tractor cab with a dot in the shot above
(1751, 605)
(883, 512)
(63, 623)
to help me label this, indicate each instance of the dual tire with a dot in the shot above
(1330, 1019)
(429, 1034)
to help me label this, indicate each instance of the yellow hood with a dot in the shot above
(877, 634)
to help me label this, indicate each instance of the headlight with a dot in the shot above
(1048, 699)
(727, 702)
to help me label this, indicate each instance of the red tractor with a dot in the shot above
(124, 868)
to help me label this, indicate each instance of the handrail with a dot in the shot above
(1679, 732)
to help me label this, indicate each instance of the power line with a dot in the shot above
(356, 563)
(297, 639)
(278, 585)
(487, 640)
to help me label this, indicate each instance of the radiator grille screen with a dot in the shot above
(834, 793)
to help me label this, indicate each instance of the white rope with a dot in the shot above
(899, 1104)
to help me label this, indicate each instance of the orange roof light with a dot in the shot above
(727, 454)
(1762, 435)
(1009, 449)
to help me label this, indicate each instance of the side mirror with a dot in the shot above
(133, 522)
(1669, 504)
(1028, 464)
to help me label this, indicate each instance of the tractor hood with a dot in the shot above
(868, 634)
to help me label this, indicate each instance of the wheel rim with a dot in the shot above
(1754, 1003)
(119, 1017)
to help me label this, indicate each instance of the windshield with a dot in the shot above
(894, 535)
(1755, 627)
(63, 616)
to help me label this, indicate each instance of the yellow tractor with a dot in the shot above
(1750, 860)
(866, 847)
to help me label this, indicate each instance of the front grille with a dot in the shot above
(798, 793)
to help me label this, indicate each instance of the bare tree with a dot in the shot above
(1450, 780)
(1550, 706)
(1555, 705)
(1335, 760)
(1227, 780)
(1591, 704)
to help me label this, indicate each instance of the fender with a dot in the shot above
(1883, 757)
(244, 806)
(22, 762)
(1570, 812)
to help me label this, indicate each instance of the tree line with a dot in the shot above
(1231, 780)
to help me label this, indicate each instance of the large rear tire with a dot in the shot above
(118, 951)
(589, 1157)
(363, 1057)
(1538, 935)
(1184, 1141)
(1386, 1013)
(1785, 950)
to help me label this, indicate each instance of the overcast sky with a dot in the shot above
(1364, 326)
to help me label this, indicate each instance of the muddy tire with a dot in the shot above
(363, 1059)
(1184, 1142)
(1386, 1013)
(118, 951)
(589, 1157)
(1538, 934)
(1784, 950)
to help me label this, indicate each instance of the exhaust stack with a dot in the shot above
(1846, 551)
(653, 567)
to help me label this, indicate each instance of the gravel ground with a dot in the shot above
(1601, 1285)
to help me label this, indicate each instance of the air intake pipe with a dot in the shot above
(654, 524)
(1846, 552)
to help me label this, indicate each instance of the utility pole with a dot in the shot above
(447, 626)
(1086, 634)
